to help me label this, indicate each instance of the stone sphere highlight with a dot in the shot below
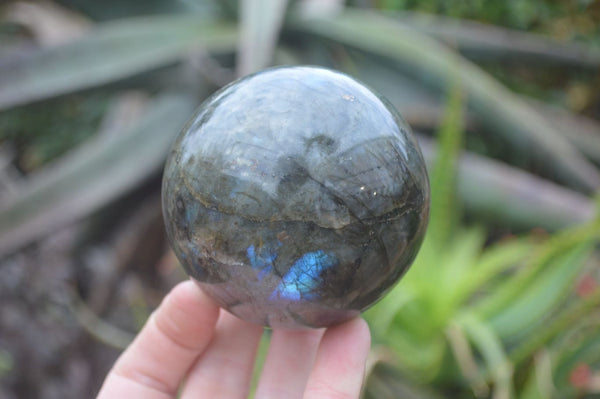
(295, 197)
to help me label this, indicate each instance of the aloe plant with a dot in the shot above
(486, 319)
(475, 313)
(148, 53)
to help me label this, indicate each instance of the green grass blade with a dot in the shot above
(489, 346)
(381, 316)
(494, 261)
(559, 244)
(460, 262)
(419, 356)
(110, 52)
(583, 348)
(444, 214)
(259, 362)
(434, 64)
(567, 318)
(544, 294)
(539, 384)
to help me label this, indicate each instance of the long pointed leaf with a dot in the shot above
(490, 347)
(443, 174)
(96, 173)
(537, 300)
(510, 196)
(260, 25)
(568, 317)
(434, 64)
(564, 242)
(488, 41)
(110, 52)
(493, 262)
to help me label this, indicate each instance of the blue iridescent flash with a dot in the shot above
(263, 261)
(304, 276)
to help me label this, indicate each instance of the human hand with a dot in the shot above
(188, 341)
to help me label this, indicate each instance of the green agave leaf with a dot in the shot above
(443, 214)
(488, 41)
(582, 131)
(585, 349)
(462, 259)
(434, 65)
(561, 243)
(544, 294)
(494, 261)
(99, 171)
(422, 108)
(555, 363)
(575, 313)
(387, 382)
(381, 316)
(422, 282)
(112, 51)
(417, 319)
(489, 345)
(511, 197)
(422, 357)
(261, 22)
(539, 383)
(488, 189)
(112, 9)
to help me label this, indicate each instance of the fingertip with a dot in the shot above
(350, 341)
(172, 339)
(188, 297)
(289, 361)
(355, 330)
(225, 368)
(341, 359)
(357, 325)
(187, 316)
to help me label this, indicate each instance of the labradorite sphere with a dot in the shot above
(295, 197)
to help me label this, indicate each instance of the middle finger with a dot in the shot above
(290, 358)
(225, 368)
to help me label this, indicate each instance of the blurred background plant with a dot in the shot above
(503, 298)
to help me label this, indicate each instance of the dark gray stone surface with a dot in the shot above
(296, 197)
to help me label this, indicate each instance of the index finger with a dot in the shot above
(340, 364)
(158, 359)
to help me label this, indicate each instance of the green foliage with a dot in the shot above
(435, 66)
(71, 120)
(478, 313)
(470, 316)
(114, 51)
(540, 15)
(6, 362)
(444, 207)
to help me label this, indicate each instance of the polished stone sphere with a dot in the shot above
(295, 197)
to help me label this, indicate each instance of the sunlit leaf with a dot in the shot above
(538, 299)
(496, 260)
(444, 209)
(557, 246)
(490, 347)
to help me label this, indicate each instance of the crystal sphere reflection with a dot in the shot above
(295, 197)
